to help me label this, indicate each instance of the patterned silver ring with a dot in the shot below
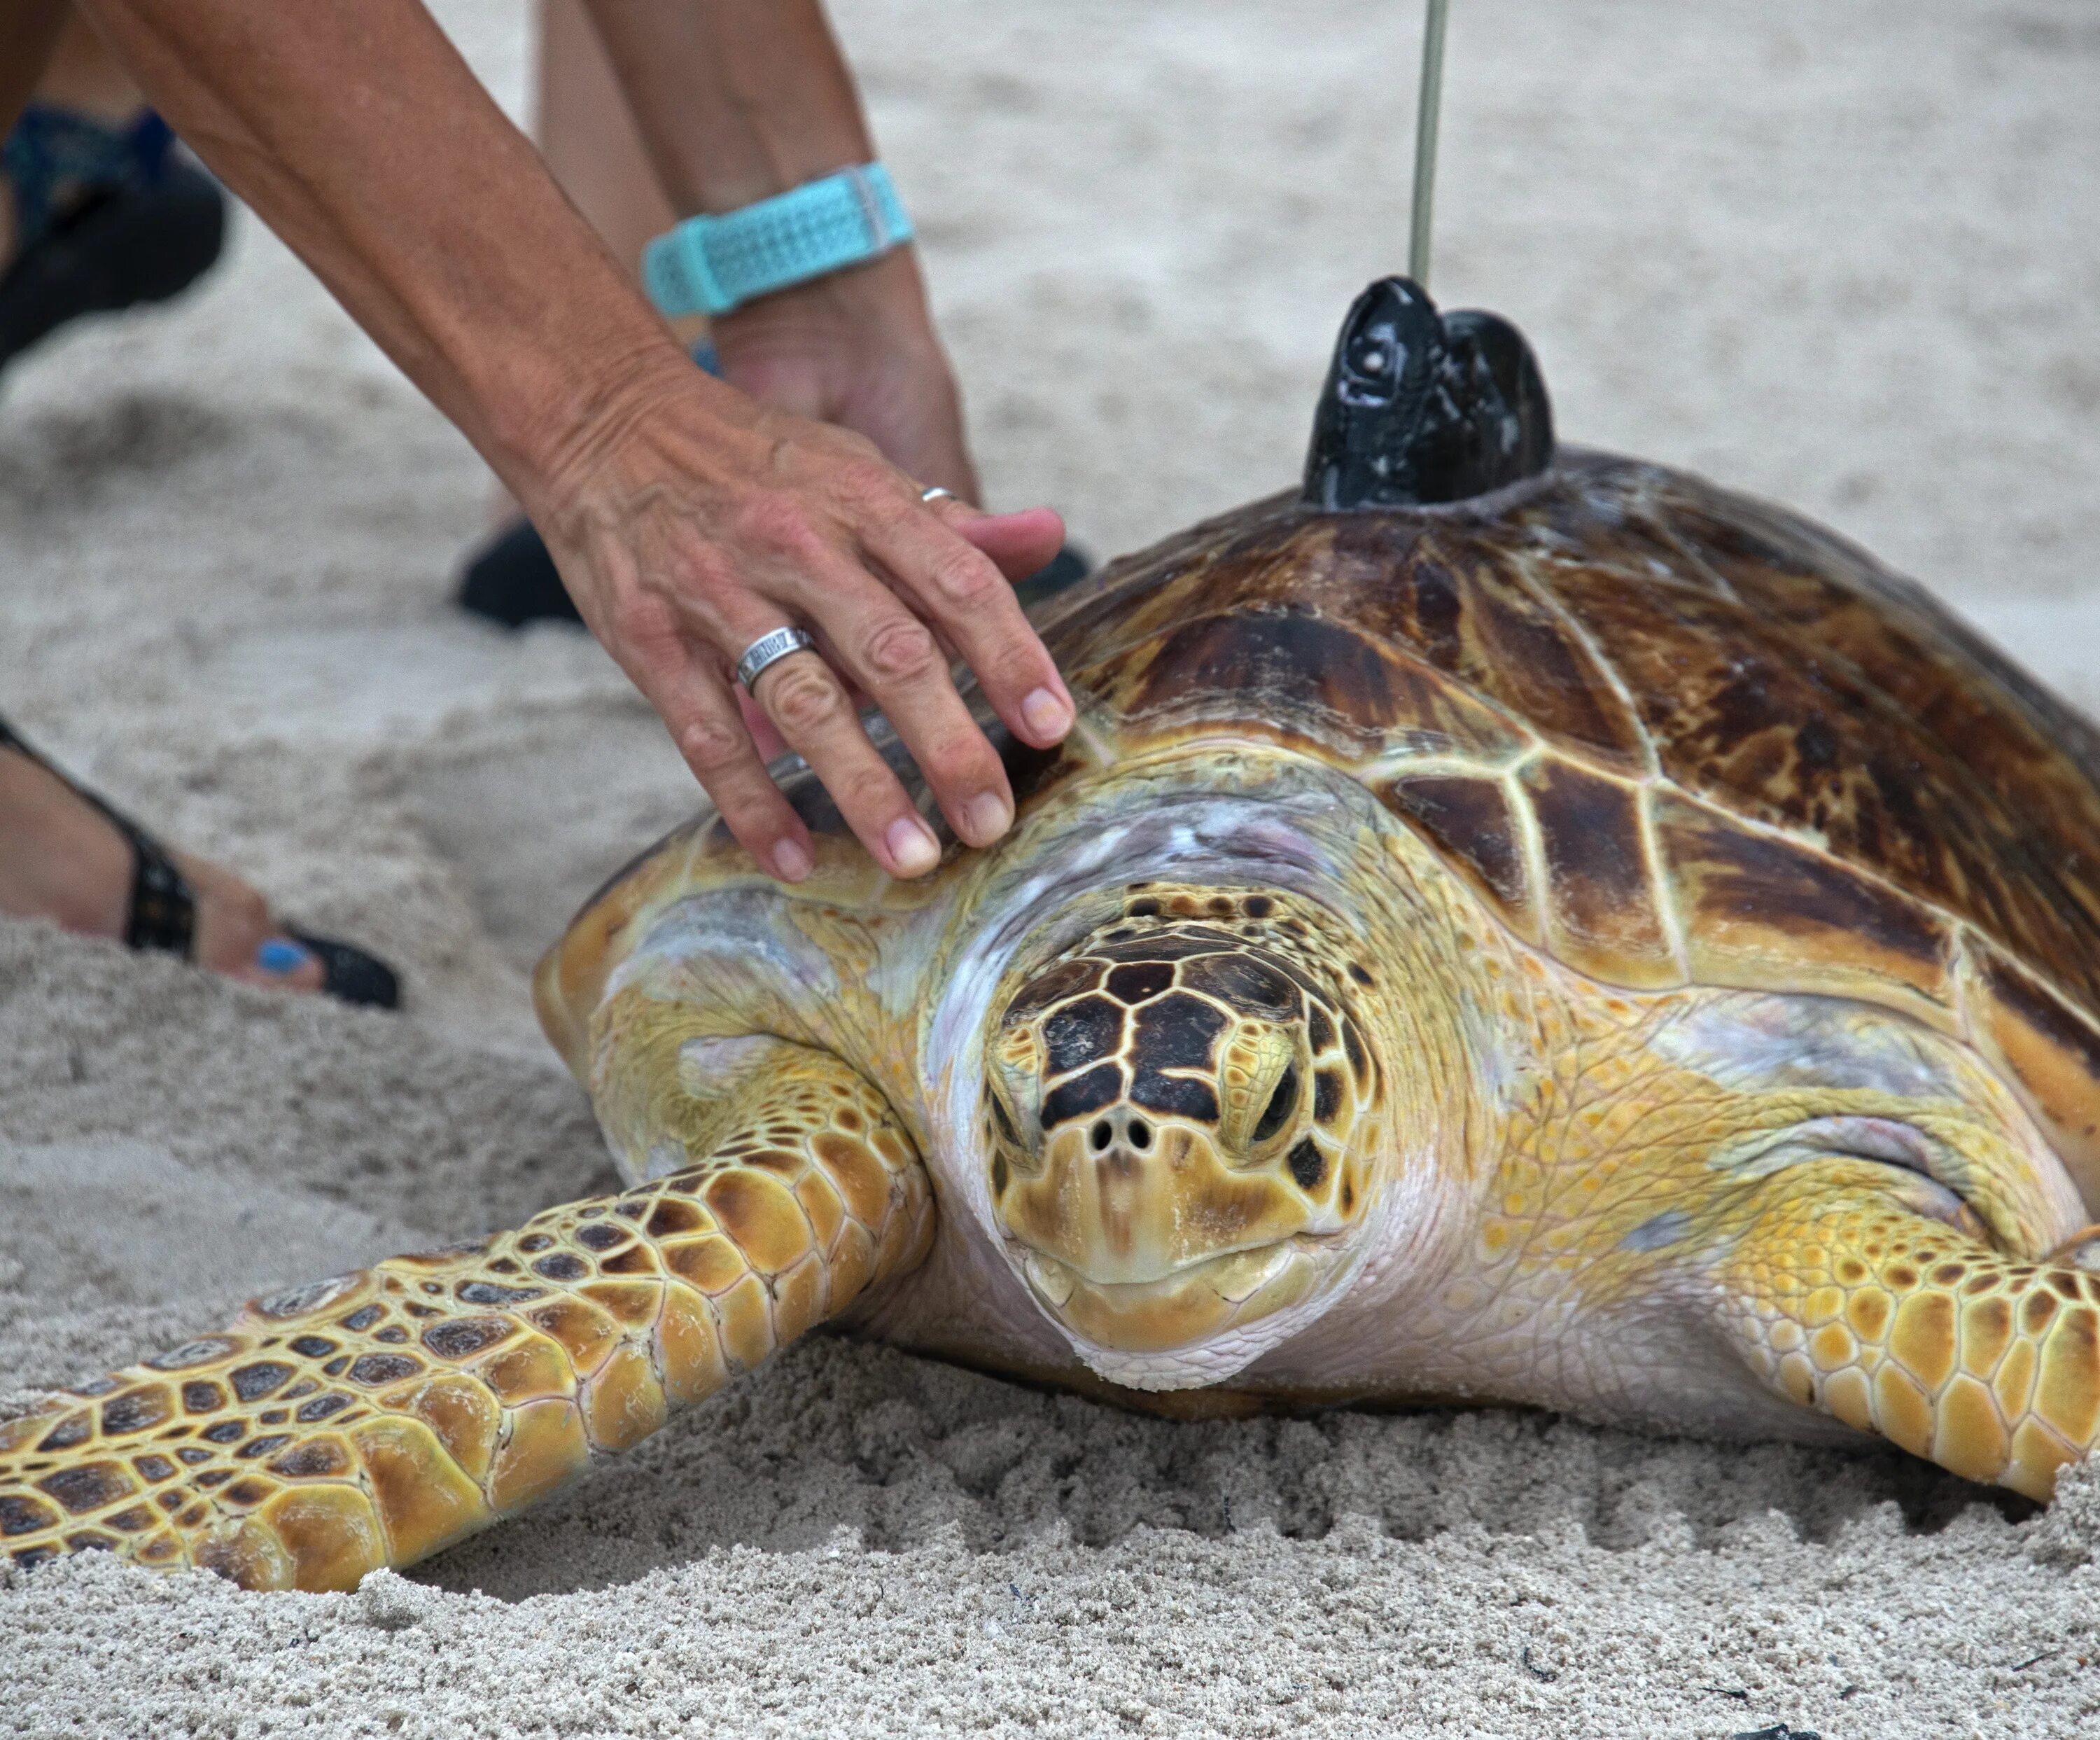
(937, 493)
(768, 650)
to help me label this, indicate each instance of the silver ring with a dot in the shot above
(937, 493)
(768, 650)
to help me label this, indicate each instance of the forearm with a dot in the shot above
(360, 136)
(735, 100)
(689, 519)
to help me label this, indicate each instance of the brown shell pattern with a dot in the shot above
(1671, 734)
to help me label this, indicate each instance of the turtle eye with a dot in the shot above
(1282, 1103)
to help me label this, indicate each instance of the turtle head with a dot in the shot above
(1181, 1121)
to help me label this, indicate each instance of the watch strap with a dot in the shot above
(712, 263)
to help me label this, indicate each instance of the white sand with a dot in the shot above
(1848, 257)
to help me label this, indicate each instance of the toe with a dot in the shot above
(287, 964)
(238, 935)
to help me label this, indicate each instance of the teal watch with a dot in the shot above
(712, 264)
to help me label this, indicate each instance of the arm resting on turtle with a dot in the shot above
(1849, 1302)
(373, 1419)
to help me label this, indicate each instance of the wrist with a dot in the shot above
(573, 435)
(880, 302)
(858, 349)
(714, 264)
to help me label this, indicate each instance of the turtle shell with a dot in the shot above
(1672, 736)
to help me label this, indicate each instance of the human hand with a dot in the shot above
(856, 348)
(688, 521)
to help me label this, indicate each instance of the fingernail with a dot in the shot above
(987, 814)
(912, 847)
(791, 861)
(1047, 716)
(280, 957)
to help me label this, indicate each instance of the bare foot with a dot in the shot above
(61, 859)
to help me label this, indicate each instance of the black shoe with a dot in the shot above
(161, 912)
(512, 580)
(349, 974)
(104, 220)
(1065, 569)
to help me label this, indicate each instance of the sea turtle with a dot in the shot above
(1509, 925)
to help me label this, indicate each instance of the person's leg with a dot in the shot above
(62, 859)
(96, 213)
(584, 132)
(83, 75)
(65, 861)
(29, 33)
(587, 136)
(49, 55)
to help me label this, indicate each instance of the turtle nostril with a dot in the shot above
(1099, 1135)
(1140, 1133)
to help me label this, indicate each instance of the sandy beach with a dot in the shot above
(1846, 258)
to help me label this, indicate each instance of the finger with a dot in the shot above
(1019, 544)
(705, 723)
(764, 732)
(962, 592)
(805, 699)
(877, 641)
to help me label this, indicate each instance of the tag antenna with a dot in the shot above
(1426, 108)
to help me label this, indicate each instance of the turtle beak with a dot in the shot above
(1154, 1245)
(1192, 1305)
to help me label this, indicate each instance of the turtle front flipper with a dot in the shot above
(1896, 1323)
(372, 1418)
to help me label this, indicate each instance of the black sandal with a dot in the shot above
(162, 912)
(105, 218)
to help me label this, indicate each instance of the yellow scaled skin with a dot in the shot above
(1989, 1367)
(1636, 1190)
(375, 1418)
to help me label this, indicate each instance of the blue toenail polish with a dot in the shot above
(277, 956)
